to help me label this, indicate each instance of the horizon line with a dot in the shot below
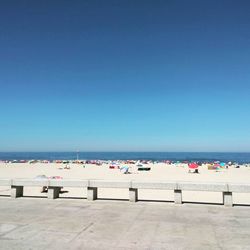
(79, 151)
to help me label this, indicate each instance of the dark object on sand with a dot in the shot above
(144, 169)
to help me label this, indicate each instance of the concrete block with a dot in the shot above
(68, 183)
(30, 182)
(177, 196)
(5, 182)
(92, 193)
(53, 192)
(203, 186)
(133, 194)
(239, 188)
(110, 183)
(228, 199)
(168, 185)
(16, 191)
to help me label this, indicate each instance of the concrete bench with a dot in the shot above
(95, 184)
(237, 188)
(205, 186)
(17, 185)
(164, 185)
(202, 186)
(55, 186)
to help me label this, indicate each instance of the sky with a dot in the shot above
(125, 75)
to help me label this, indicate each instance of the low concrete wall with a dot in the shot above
(5, 182)
(54, 187)
(68, 183)
(165, 185)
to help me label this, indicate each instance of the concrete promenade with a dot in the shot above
(35, 223)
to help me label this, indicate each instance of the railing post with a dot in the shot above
(53, 192)
(133, 194)
(92, 193)
(228, 199)
(177, 196)
(16, 191)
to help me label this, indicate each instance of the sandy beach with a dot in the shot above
(159, 171)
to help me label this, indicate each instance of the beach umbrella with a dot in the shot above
(124, 169)
(41, 177)
(193, 165)
(222, 164)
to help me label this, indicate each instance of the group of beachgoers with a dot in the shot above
(141, 165)
(100, 162)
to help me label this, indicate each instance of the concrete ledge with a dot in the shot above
(110, 183)
(30, 182)
(55, 185)
(154, 185)
(68, 183)
(5, 182)
(240, 188)
(202, 186)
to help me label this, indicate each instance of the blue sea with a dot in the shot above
(156, 156)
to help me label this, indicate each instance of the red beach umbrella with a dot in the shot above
(193, 165)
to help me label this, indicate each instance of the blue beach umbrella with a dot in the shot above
(124, 169)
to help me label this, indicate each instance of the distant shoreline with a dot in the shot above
(243, 157)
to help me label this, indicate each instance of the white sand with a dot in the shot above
(158, 171)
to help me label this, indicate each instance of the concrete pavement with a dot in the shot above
(36, 223)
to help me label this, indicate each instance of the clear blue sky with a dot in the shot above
(125, 75)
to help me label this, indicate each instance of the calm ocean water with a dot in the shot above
(175, 156)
